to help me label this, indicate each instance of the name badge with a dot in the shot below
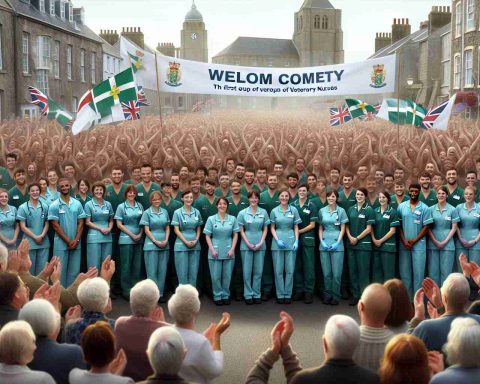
(16, 197)
(476, 215)
(386, 216)
(416, 221)
(448, 218)
(249, 221)
(260, 216)
(418, 213)
(290, 215)
(307, 211)
(106, 211)
(140, 194)
(456, 197)
(362, 216)
(336, 223)
(196, 218)
(139, 211)
(61, 211)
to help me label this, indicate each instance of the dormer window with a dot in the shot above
(62, 9)
(52, 7)
(70, 12)
(41, 5)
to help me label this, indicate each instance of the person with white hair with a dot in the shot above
(204, 359)
(133, 332)
(340, 341)
(54, 358)
(454, 298)
(166, 352)
(463, 350)
(94, 297)
(18, 346)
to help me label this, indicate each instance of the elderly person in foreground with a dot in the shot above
(166, 352)
(94, 297)
(98, 344)
(204, 359)
(340, 341)
(13, 296)
(17, 342)
(463, 351)
(133, 332)
(51, 357)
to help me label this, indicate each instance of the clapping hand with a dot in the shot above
(223, 324)
(466, 266)
(73, 313)
(432, 292)
(108, 269)
(90, 274)
(419, 305)
(117, 366)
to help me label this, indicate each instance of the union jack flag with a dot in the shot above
(39, 99)
(339, 116)
(370, 116)
(142, 98)
(432, 115)
(131, 110)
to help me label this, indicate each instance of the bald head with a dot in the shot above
(374, 305)
(455, 292)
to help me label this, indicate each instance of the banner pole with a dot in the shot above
(398, 102)
(158, 95)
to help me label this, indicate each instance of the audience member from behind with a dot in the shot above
(13, 296)
(204, 359)
(454, 297)
(407, 360)
(17, 342)
(401, 311)
(51, 357)
(463, 351)
(94, 297)
(133, 332)
(166, 352)
(340, 341)
(373, 308)
(98, 344)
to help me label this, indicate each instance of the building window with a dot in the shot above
(180, 102)
(107, 65)
(287, 63)
(25, 49)
(41, 5)
(62, 9)
(446, 52)
(470, 15)
(468, 68)
(324, 22)
(316, 23)
(42, 80)
(456, 71)
(93, 67)
(458, 19)
(56, 60)
(43, 51)
(167, 101)
(52, 7)
(70, 12)
(1, 46)
(82, 65)
(74, 104)
(301, 22)
(69, 62)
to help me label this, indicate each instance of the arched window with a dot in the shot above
(324, 22)
(316, 23)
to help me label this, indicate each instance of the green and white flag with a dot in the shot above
(358, 108)
(49, 108)
(415, 113)
(114, 91)
(142, 60)
(393, 111)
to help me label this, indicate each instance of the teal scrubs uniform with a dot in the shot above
(456, 197)
(384, 256)
(221, 233)
(171, 280)
(469, 226)
(412, 261)
(440, 261)
(315, 199)
(359, 255)
(35, 219)
(51, 196)
(256, 187)
(84, 261)
(394, 204)
(6, 181)
(99, 246)
(332, 261)
(304, 276)
(187, 259)
(156, 258)
(8, 221)
(284, 259)
(252, 261)
(16, 197)
(81, 200)
(431, 198)
(67, 216)
(143, 196)
(130, 250)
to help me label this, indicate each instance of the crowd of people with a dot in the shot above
(244, 207)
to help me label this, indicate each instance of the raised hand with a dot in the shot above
(276, 336)
(432, 292)
(90, 274)
(73, 313)
(117, 366)
(108, 269)
(466, 266)
(419, 305)
(223, 324)
(288, 328)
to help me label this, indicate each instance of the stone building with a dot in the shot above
(111, 53)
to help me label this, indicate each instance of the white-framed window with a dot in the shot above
(111, 66)
(468, 68)
(74, 104)
(69, 62)
(470, 15)
(93, 67)
(41, 5)
(56, 60)
(117, 65)
(82, 65)
(458, 19)
(62, 9)
(456, 71)
(52, 7)
(445, 73)
(43, 52)
(28, 110)
(107, 65)
(70, 12)
(25, 50)
(42, 80)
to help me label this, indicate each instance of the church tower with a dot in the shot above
(194, 37)
(318, 34)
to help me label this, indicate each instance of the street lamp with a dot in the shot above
(409, 81)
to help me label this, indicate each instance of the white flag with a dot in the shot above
(143, 62)
(442, 120)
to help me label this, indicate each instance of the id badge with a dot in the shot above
(61, 211)
(386, 216)
(456, 197)
(362, 216)
(448, 218)
(15, 197)
(290, 216)
(139, 211)
(140, 194)
(307, 211)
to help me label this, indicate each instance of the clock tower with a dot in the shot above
(194, 37)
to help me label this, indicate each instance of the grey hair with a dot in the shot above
(166, 351)
(15, 339)
(456, 291)
(463, 343)
(3, 257)
(342, 335)
(144, 297)
(184, 305)
(93, 294)
(41, 316)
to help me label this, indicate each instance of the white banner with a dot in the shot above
(144, 62)
(366, 77)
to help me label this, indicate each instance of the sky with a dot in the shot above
(162, 20)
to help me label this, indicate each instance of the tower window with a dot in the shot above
(316, 23)
(301, 22)
(324, 22)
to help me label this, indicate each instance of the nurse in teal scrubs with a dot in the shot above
(130, 242)
(156, 222)
(468, 229)
(284, 221)
(9, 228)
(187, 223)
(221, 233)
(253, 222)
(100, 223)
(440, 245)
(32, 217)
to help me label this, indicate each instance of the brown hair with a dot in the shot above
(98, 344)
(253, 192)
(401, 309)
(153, 194)
(9, 284)
(99, 184)
(128, 189)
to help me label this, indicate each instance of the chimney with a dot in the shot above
(400, 28)
(382, 40)
(135, 35)
(109, 35)
(439, 17)
(167, 49)
(79, 15)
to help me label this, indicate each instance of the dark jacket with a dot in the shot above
(164, 379)
(7, 314)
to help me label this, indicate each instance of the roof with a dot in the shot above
(323, 4)
(111, 50)
(193, 14)
(28, 10)
(260, 46)
(415, 37)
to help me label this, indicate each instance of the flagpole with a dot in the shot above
(159, 97)
(398, 101)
